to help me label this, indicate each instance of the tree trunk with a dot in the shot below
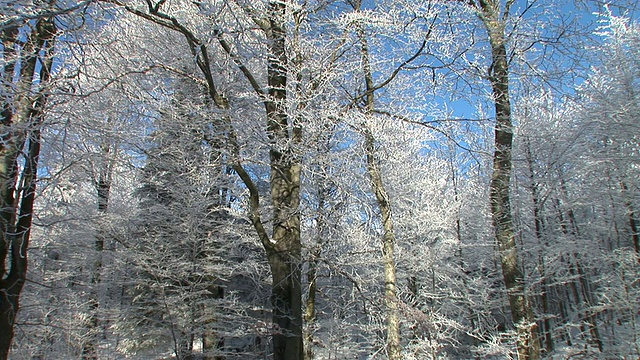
(388, 245)
(542, 243)
(521, 313)
(17, 193)
(633, 221)
(284, 251)
(103, 188)
(286, 299)
(394, 351)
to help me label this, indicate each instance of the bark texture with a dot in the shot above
(494, 16)
(284, 251)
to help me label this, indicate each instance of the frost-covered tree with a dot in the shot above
(313, 179)
(174, 267)
(28, 56)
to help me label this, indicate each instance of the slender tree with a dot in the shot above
(394, 351)
(494, 16)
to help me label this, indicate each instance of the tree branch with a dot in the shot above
(236, 59)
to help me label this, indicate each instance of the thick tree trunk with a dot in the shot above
(284, 256)
(20, 126)
(286, 300)
(522, 315)
(284, 251)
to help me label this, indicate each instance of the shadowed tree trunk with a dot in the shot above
(20, 135)
(284, 250)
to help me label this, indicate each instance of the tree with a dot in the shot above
(283, 245)
(571, 207)
(102, 182)
(494, 16)
(174, 286)
(341, 140)
(26, 80)
(382, 197)
(608, 109)
(611, 92)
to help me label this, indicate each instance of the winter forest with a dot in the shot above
(319, 179)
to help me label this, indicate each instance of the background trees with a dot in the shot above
(200, 158)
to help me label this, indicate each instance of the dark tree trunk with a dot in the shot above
(286, 299)
(20, 135)
(493, 18)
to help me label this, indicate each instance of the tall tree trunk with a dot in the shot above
(284, 256)
(20, 126)
(285, 253)
(388, 245)
(394, 351)
(494, 20)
